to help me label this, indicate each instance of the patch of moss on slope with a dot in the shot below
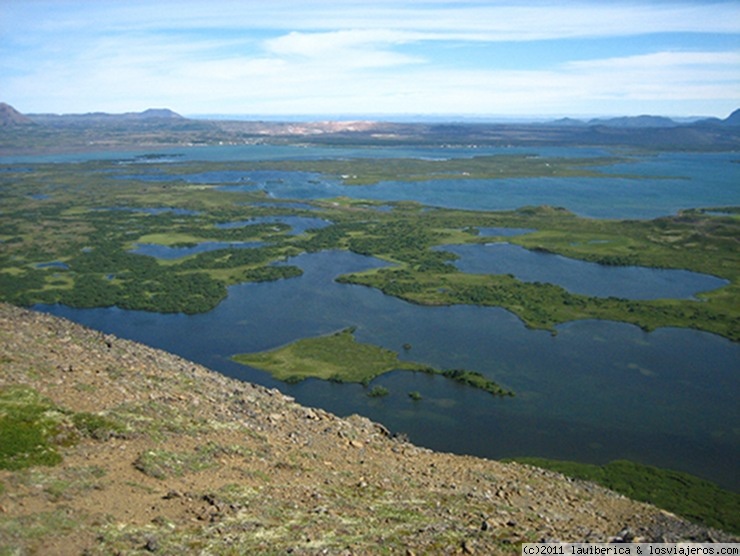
(681, 493)
(32, 428)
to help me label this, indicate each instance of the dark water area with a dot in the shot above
(504, 232)
(594, 392)
(166, 252)
(155, 210)
(54, 264)
(298, 224)
(627, 282)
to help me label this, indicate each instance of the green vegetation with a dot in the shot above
(378, 392)
(339, 357)
(162, 464)
(68, 231)
(681, 493)
(32, 428)
(367, 171)
(691, 240)
(28, 427)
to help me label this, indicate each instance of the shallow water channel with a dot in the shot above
(628, 282)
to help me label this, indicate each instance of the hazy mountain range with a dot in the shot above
(162, 126)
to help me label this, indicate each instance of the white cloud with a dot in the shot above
(661, 60)
(346, 48)
(350, 56)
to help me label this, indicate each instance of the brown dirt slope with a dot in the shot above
(202, 464)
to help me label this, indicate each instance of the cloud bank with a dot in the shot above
(330, 57)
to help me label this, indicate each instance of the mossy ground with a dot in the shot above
(678, 492)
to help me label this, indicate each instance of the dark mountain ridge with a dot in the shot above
(162, 126)
(9, 116)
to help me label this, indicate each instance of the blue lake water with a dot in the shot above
(54, 264)
(628, 282)
(298, 224)
(155, 210)
(667, 182)
(596, 391)
(504, 232)
(169, 253)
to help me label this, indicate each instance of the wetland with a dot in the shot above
(213, 252)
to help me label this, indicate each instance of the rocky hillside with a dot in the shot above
(155, 454)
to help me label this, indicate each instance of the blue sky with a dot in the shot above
(348, 57)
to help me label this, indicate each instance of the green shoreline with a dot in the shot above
(68, 229)
(339, 357)
(687, 495)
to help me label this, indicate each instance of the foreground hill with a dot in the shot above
(149, 453)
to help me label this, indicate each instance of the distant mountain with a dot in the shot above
(569, 122)
(151, 114)
(9, 116)
(622, 122)
(635, 121)
(732, 119)
(645, 121)
(162, 113)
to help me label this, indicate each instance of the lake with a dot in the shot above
(594, 392)
(627, 282)
(667, 182)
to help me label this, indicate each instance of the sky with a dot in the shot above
(506, 58)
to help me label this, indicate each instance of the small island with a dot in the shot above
(339, 357)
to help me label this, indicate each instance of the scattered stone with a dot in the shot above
(246, 466)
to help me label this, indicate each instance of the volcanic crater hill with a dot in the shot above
(159, 455)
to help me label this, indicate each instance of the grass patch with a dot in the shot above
(162, 464)
(681, 493)
(29, 425)
(337, 357)
(101, 271)
(33, 529)
(340, 357)
(32, 428)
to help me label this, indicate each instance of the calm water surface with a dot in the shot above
(628, 282)
(596, 391)
(663, 184)
(169, 253)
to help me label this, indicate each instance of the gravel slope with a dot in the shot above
(203, 464)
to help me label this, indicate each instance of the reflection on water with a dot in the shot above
(596, 391)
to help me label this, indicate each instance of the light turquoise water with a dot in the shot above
(668, 182)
